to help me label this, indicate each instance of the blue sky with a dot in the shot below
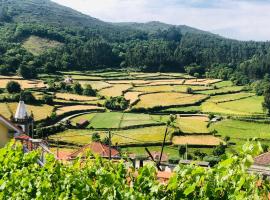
(238, 19)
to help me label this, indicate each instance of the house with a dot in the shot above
(8, 130)
(68, 80)
(156, 156)
(96, 148)
(263, 159)
(82, 123)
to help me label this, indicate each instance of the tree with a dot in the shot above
(117, 103)
(13, 87)
(219, 150)
(197, 75)
(27, 72)
(47, 99)
(182, 150)
(96, 137)
(28, 97)
(189, 90)
(266, 103)
(77, 88)
(89, 91)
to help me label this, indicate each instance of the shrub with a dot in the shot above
(189, 90)
(219, 150)
(117, 103)
(96, 137)
(28, 97)
(89, 91)
(77, 88)
(13, 87)
(47, 99)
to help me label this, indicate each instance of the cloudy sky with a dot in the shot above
(238, 19)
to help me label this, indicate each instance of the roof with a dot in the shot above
(10, 125)
(156, 156)
(21, 112)
(22, 137)
(263, 159)
(95, 148)
(83, 122)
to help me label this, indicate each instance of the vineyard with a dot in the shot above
(22, 178)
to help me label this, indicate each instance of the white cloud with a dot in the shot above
(239, 19)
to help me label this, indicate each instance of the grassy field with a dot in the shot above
(120, 120)
(132, 96)
(115, 90)
(168, 88)
(97, 85)
(201, 81)
(183, 109)
(205, 140)
(230, 97)
(222, 90)
(193, 124)
(167, 99)
(37, 45)
(247, 106)
(65, 109)
(71, 97)
(130, 136)
(39, 111)
(25, 84)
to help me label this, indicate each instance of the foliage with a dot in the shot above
(13, 87)
(47, 99)
(219, 150)
(77, 88)
(96, 137)
(28, 97)
(27, 72)
(103, 179)
(266, 103)
(117, 103)
(89, 91)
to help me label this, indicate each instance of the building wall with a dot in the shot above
(3, 135)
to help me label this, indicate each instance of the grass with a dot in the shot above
(201, 81)
(184, 109)
(4, 110)
(40, 111)
(247, 106)
(167, 99)
(222, 90)
(115, 90)
(169, 88)
(119, 120)
(230, 97)
(65, 109)
(71, 97)
(25, 84)
(193, 124)
(205, 140)
(37, 45)
(97, 85)
(223, 84)
(131, 136)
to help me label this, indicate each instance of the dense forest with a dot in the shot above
(89, 43)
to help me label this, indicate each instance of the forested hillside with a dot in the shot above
(89, 43)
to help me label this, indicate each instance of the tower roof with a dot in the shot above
(21, 112)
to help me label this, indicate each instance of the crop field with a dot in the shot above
(183, 109)
(132, 96)
(199, 140)
(136, 82)
(25, 84)
(247, 106)
(168, 88)
(75, 97)
(96, 85)
(230, 97)
(201, 81)
(223, 90)
(65, 109)
(193, 124)
(115, 90)
(168, 99)
(39, 111)
(116, 120)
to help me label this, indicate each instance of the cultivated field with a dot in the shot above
(197, 140)
(193, 124)
(74, 97)
(66, 109)
(115, 90)
(25, 84)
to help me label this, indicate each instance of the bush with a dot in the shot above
(27, 72)
(89, 91)
(96, 137)
(189, 90)
(28, 97)
(219, 150)
(77, 88)
(47, 99)
(117, 103)
(13, 87)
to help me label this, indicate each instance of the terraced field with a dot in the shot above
(197, 140)
(115, 90)
(83, 108)
(68, 96)
(169, 88)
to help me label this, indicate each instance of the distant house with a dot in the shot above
(8, 130)
(156, 156)
(68, 80)
(82, 123)
(263, 159)
(96, 148)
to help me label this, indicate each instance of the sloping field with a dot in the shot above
(230, 97)
(66, 109)
(136, 82)
(167, 99)
(223, 90)
(201, 81)
(40, 111)
(71, 97)
(166, 82)
(204, 140)
(37, 45)
(193, 124)
(25, 84)
(169, 88)
(4, 110)
(115, 90)
(132, 96)
(96, 85)
(247, 106)
(132, 136)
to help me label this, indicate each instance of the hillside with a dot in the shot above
(89, 43)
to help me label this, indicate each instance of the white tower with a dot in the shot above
(23, 120)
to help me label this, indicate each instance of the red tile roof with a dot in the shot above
(95, 148)
(263, 159)
(156, 156)
(23, 137)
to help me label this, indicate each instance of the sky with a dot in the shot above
(237, 19)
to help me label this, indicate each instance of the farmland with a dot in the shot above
(152, 98)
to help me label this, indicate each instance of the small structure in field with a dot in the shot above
(82, 123)
(68, 80)
(156, 156)
(95, 148)
(263, 159)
